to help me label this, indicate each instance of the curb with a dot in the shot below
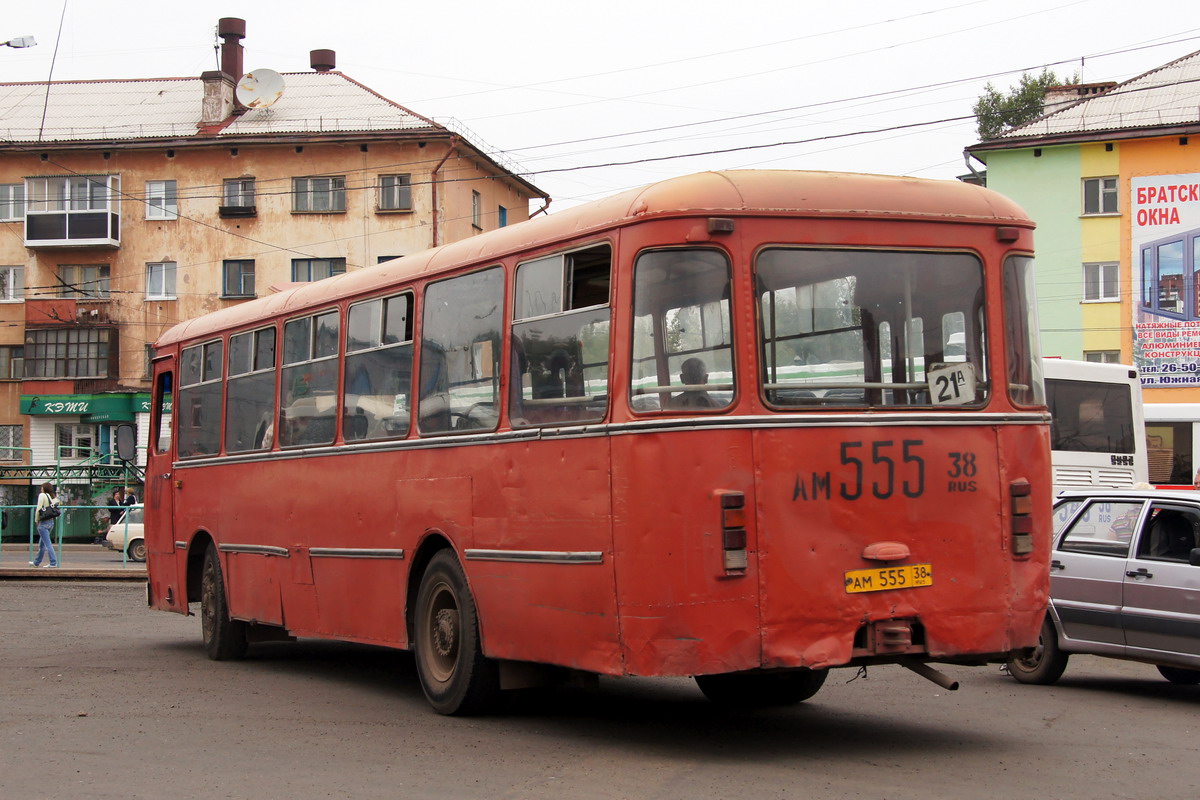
(69, 574)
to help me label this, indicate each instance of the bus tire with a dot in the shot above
(456, 677)
(224, 637)
(1045, 664)
(762, 689)
(1180, 675)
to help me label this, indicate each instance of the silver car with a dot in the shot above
(1124, 582)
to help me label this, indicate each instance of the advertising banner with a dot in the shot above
(1165, 279)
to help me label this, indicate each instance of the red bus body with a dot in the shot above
(605, 546)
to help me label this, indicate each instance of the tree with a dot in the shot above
(996, 113)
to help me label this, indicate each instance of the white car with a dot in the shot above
(130, 538)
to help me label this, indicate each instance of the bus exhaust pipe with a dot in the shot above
(925, 671)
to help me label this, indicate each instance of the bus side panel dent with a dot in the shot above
(682, 613)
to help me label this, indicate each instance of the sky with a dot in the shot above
(588, 99)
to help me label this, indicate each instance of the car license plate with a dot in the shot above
(877, 580)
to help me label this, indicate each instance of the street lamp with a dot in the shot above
(21, 41)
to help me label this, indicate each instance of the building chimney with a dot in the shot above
(1059, 97)
(232, 30)
(322, 60)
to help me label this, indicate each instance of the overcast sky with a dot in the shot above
(572, 90)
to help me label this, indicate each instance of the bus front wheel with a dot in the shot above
(762, 689)
(1045, 664)
(224, 637)
(455, 675)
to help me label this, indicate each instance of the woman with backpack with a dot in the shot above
(47, 511)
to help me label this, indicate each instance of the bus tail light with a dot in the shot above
(733, 532)
(1022, 519)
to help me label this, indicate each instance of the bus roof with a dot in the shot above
(727, 193)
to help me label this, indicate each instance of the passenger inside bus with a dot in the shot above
(693, 374)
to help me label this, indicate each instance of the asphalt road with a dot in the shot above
(102, 698)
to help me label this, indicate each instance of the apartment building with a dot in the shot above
(128, 205)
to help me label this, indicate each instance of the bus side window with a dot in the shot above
(560, 339)
(682, 338)
(378, 379)
(308, 390)
(200, 400)
(250, 393)
(460, 352)
(162, 412)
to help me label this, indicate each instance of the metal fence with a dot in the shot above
(19, 535)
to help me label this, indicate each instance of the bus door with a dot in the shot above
(160, 494)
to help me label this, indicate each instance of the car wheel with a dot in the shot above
(1181, 676)
(137, 549)
(224, 637)
(1045, 664)
(762, 689)
(455, 675)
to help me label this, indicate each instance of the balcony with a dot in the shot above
(75, 211)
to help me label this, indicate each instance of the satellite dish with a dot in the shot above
(260, 88)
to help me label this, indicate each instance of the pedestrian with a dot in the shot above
(47, 511)
(130, 498)
(116, 507)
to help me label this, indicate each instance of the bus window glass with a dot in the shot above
(162, 413)
(378, 370)
(560, 339)
(869, 327)
(1090, 417)
(200, 401)
(1023, 348)
(308, 390)
(1169, 447)
(460, 351)
(250, 394)
(682, 338)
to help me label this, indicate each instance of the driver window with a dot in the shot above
(1103, 529)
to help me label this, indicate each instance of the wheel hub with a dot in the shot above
(445, 632)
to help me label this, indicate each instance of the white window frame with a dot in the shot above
(1108, 187)
(1102, 356)
(11, 438)
(162, 200)
(77, 437)
(160, 280)
(395, 193)
(239, 192)
(12, 202)
(476, 209)
(1096, 289)
(12, 284)
(316, 269)
(307, 194)
(84, 281)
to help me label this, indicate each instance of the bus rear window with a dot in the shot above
(870, 328)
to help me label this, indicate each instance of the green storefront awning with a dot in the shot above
(88, 407)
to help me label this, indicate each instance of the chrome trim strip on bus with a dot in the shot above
(181, 545)
(254, 549)
(354, 552)
(856, 419)
(536, 556)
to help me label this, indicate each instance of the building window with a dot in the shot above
(148, 361)
(84, 281)
(160, 281)
(161, 200)
(73, 211)
(238, 278)
(501, 216)
(315, 269)
(1100, 282)
(11, 436)
(381, 259)
(321, 195)
(75, 441)
(12, 284)
(12, 362)
(476, 210)
(1100, 196)
(12, 202)
(395, 193)
(239, 191)
(1102, 356)
(67, 353)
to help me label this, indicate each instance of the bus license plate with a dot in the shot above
(877, 580)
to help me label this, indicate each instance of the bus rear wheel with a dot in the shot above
(762, 689)
(1045, 664)
(224, 637)
(455, 675)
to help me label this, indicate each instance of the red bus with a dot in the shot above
(744, 426)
